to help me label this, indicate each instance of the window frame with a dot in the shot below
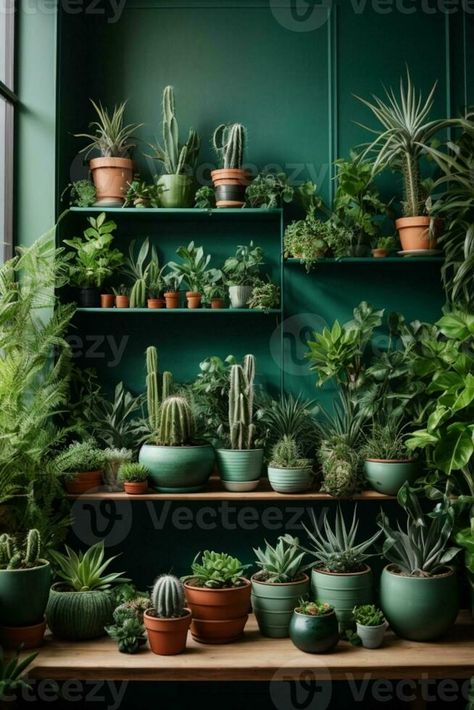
(10, 98)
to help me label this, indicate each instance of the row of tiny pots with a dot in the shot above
(170, 299)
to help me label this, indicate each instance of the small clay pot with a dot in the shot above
(122, 301)
(156, 303)
(134, 488)
(194, 299)
(83, 482)
(26, 636)
(217, 303)
(107, 300)
(379, 253)
(167, 637)
(172, 299)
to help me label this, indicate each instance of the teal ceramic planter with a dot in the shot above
(290, 480)
(389, 476)
(178, 469)
(419, 608)
(314, 634)
(240, 469)
(24, 594)
(273, 605)
(178, 192)
(371, 636)
(343, 592)
(78, 616)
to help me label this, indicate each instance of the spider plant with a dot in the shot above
(111, 138)
(288, 416)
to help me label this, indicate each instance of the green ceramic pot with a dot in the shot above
(343, 591)
(419, 608)
(273, 604)
(78, 616)
(290, 480)
(389, 476)
(240, 469)
(24, 594)
(178, 469)
(179, 191)
(314, 634)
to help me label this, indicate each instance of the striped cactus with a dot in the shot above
(138, 294)
(241, 402)
(167, 597)
(177, 422)
(32, 548)
(176, 160)
(229, 144)
(152, 389)
(13, 556)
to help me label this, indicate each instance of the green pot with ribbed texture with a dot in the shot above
(273, 604)
(290, 480)
(24, 594)
(240, 469)
(343, 591)
(78, 616)
(179, 191)
(419, 608)
(178, 469)
(389, 476)
(314, 634)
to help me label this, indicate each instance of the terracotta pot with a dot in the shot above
(172, 299)
(235, 178)
(26, 636)
(380, 253)
(217, 303)
(194, 299)
(107, 300)
(156, 303)
(111, 177)
(167, 637)
(134, 488)
(230, 176)
(414, 233)
(84, 482)
(219, 615)
(122, 301)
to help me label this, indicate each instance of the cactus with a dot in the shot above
(152, 389)
(7, 549)
(241, 396)
(176, 160)
(32, 548)
(177, 422)
(229, 144)
(12, 556)
(138, 294)
(167, 597)
(16, 561)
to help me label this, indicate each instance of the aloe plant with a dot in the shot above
(85, 571)
(111, 138)
(281, 563)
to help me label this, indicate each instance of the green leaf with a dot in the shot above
(455, 449)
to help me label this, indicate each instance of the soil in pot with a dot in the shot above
(89, 297)
(78, 616)
(134, 488)
(314, 634)
(414, 233)
(193, 299)
(107, 300)
(111, 177)
(122, 301)
(343, 591)
(178, 469)
(219, 615)
(273, 603)
(389, 476)
(156, 303)
(167, 637)
(83, 482)
(172, 299)
(24, 595)
(12, 637)
(240, 469)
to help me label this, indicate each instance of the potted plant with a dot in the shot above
(25, 579)
(128, 629)
(107, 300)
(177, 462)
(265, 296)
(231, 179)
(94, 260)
(82, 193)
(240, 465)
(371, 625)
(269, 190)
(113, 170)
(134, 477)
(167, 621)
(141, 195)
(179, 162)
(388, 463)
(214, 294)
(155, 285)
(241, 272)
(172, 283)
(81, 605)
(419, 589)
(137, 269)
(114, 458)
(278, 585)
(384, 246)
(193, 269)
(314, 627)
(205, 198)
(82, 466)
(218, 596)
(340, 576)
(122, 296)
(288, 472)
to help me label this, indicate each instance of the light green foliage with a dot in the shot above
(153, 394)
(288, 416)
(142, 195)
(269, 190)
(177, 425)
(243, 269)
(176, 159)
(82, 193)
(229, 143)
(137, 269)
(314, 608)
(241, 404)
(193, 268)
(77, 457)
(205, 198)
(265, 295)
(217, 570)
(85, 571)
(385, 441)
(111, 138)
(368, 615)
(282, 563)
(167, 597)
(94, 261)
(133, 472)
(209, 395)
(286, 454)
(20, 555)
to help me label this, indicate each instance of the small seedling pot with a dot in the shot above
(156, 303)
(107, 300)
(134, 488)
(83, 482)
(372, 636)
(194, 299)
(122, 301)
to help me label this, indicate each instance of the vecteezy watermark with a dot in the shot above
(109, 694)
(107, 520)
(112, 10)
(294, 333)
(110, 348)
(301, 15)
(295, 687)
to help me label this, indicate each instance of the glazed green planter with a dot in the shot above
(179, 191)
(419, 608)
(240, 469)
(389, 476)
(24, 594)
(178, 469)
(343, 592)
(78, 616)
(290, 480)
(314, 634)
(273, 605)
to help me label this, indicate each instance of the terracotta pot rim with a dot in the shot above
(187, 585)
(367, 570)
(392, 460)
(421, 220)
(44, 563)
(109, 162)
(280, 584)
(193, 294)
(230, 171)
(146, 615)
(315, 616)
(171, 293)
(450, 572)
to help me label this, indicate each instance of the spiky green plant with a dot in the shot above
(241, 404)
(129, 635)
(24, 555)
(11, 673)
(229, 143)
(137, 269)
(177, 424)
(176, 159)
(288, 416)
(167, 597)
(314, 608)
(133, 472)
(217, 570)
(84, 571)
(153, 391)
(368, 615)
(111, 138)
(286, 454)
(282, 563)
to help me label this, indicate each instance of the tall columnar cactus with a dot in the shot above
(175, 159)
(229, 144)
(14, 557)
(152, 388)
(32, 547)
(177, 422)
(7, 549)
(241, 398)
(167, 597)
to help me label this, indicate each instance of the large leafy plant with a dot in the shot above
(193, 268)
(95, 260)
(243, 269)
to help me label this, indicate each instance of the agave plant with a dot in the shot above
(111, 138)
(282, 563)
(84, 571)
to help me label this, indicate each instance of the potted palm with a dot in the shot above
(388, 463)
(81, 465)
(218, 595)
(240, 465)
(288, 472)
(314, 628)
(81, 604)
(241, 273)
(371, 625)
(419, 589)
(25, 579)
(113, 170)
(179, 162)
(167, 621)
(178, 463)
(231, 180)
(134, 478)
(278, 586)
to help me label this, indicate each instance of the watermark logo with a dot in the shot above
(300, 15)
(293, 334)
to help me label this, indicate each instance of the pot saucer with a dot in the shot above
(419, 252)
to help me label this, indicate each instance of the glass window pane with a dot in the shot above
(6, 179)
(7, 20)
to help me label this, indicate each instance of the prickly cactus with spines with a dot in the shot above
(32, 548)
(229, 144)
(241, 404)
(16, 556)
(167, 597)
(152, 389)
(176, 422)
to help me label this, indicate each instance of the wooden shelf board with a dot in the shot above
(181, 311)
(261, 659)
(372, 260)
(245, 213)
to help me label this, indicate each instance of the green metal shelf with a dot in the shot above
(245, 213)
(372, 260)
(180, 311)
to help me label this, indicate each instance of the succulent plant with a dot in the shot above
(286, 454)
(84, 571)
(114, 459)
(368, 615)
(314, 608)
(229, 143)
(282, 563)
(217, 570)
(152, 389)
(241, 401)
(129, 635)
(167, 597)
(20, 556)
(176, 422)
(340, 468)
(176, 159)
